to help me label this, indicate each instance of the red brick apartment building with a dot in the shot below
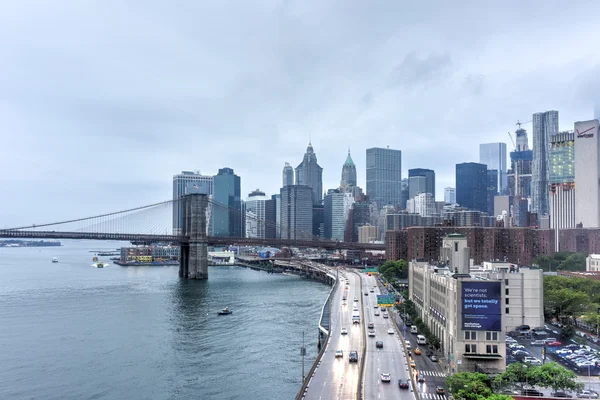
(517, 245)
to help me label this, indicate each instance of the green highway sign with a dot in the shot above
(386, 300)
(366, 270)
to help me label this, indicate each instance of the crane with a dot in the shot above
(519, 123)
(513, 141)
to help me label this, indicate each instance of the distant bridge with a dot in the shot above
(154, 223)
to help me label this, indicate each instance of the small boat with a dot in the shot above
(99, 264)
(54, 259)
(225, 311)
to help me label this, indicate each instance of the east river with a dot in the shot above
(71, 331)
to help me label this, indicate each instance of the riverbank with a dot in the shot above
(146, 264)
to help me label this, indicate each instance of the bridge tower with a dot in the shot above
(193, 260)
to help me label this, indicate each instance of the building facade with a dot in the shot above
(310, 174)
(545, 124)
(337, 206)
(493, 155)
(561, 181)
(260, 216)
(471, 186)
(348, 174)
(296, 212)
(287, 175)
(492, 190)
(367, 234)
(428, 186)
(450, 195)
(384, 176)
(181, 182)
(422, 204)
(587, 173)
(227, 215)
(592, 263)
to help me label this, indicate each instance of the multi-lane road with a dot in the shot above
(336, 377)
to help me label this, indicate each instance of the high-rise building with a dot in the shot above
(288, 175)
(519, 175)
(429, 176)
(422, 204)
(545, 124)
(562, 182)
(416, 185)
(587, 173)
(492, 189)
(348, 174)
(296, 212)
(260, 218)
(227, 215)
(359, 215)
(318, 220)
(384, 174)
(493, 155)
(310, 174)
(404, 193)
(450, 195)
(203, 183)
(276, 198)
(337, 206)
(471, 186)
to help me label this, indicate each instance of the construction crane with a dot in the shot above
(513, 141)
(519, 123)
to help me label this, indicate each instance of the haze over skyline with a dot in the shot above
(100, 105)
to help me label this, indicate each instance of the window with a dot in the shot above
(491, 336)
(491, 349)
(506, 291)
(507, 301)
(506, 282)
(470, 348)
(506, 310)
(470, 335)
(455, 246)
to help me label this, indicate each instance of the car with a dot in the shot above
(379, 345)
(339, 353)
(376, 313)
(407, 344)
(412, 364)
(532, 393)
(376, 306)
(366, 294)
(433, 358)
(371, 333)
(420, 378)
(344, 331)
(355, 308)
(554, 344)
(561, 394)
(587, 394)
(417, 351)
(344, 303)
(440, 390)
(370, 325)
(385, 377)
(353, 357)
(391, 331)
(385, 315)
(355, 300)
(403, 383)
(372, 291)
(538, 343)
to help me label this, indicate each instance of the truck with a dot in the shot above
(413, 329)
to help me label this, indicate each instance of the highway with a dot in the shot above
(390, 359)
(337, 378)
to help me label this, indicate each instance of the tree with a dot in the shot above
(515, 374)
(593, 318)
(469, 385)
(392, 270)
(566, 302)
(555, 376)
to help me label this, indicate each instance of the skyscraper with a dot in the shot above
(260, 215)
(288, 175)
(562, 183)
(429, 176)
(227, 216)
(310, 174)
(203, 183)
(404, 193)
(492, 189)
(384, 174)
(449, 195)
(545, 125)
(587, 173)
(348, 173)
(337, 205)
(519, 175)
(493, 155)
(471, 186)
(296, 212)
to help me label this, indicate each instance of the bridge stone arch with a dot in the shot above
(193, 259)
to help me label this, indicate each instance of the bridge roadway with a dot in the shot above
(337, 378)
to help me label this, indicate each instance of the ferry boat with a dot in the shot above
(225, 311)
(54, 259)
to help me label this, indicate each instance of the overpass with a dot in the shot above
(153, 224)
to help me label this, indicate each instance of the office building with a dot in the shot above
(521, 159)
(288, 175)
(277, 205)
(450, 195)
(367, 234)
(471, 186)
(493, 155)
(429, 181)
(592, 263)
(545, 124)
(318, 220)
(227, 215)
(561, 181)
(587, 174)
(359, 215)
(416, 185)
(465, 314)
(260, 215)
(337, 206)
(348, 174)
(296, 205)
(310, 174)
(492, 190)
(384, 176)
(181, 182)
(422, 204)
(404, 193)
(502, 204)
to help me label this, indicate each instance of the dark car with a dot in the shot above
(366, 294)
(353, 356)
(379, 345)
(532, 392)
(561, 394)
(370, 325)
(403, 383)
(440, 390)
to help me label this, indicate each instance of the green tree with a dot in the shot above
(593, 317)
(469, 385)
(515, 375)
(565, 302)
(495, 396)
(555, 376)
(574, 262)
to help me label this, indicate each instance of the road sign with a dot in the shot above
(386, 300)
(371, 270)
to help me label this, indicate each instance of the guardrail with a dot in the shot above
(361, 370)
(315, 365)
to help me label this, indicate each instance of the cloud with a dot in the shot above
(114, 99)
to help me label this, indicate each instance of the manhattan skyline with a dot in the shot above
(100, 120)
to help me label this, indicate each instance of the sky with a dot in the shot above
(101, 103)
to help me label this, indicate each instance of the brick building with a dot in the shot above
(581, 240)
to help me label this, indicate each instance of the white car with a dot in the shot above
(339, 353)
(376, 313)
(385, 377)
(355, 300)
(407, 344)
(344, 331)
(391, 331)
(371, 333)
(355, 309)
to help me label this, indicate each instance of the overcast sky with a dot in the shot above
(101, 102)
